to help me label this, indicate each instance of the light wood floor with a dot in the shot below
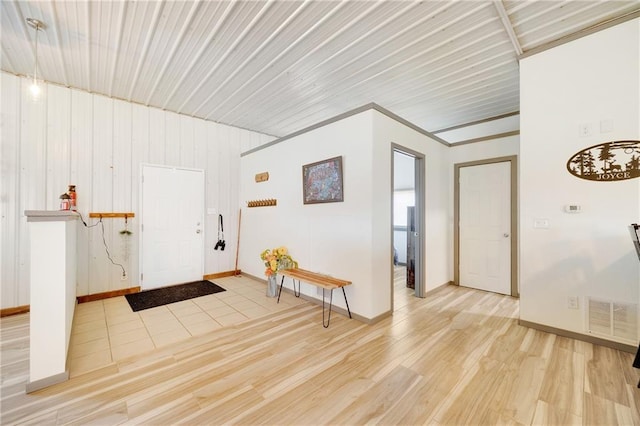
(455, 357)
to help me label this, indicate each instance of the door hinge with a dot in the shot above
(141, 275)
(142, 227)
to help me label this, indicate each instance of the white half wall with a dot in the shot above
(98, 143)
(588, 81)
(350, 239)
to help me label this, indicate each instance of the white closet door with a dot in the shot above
(485, 226)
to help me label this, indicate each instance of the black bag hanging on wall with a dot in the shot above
(221, 243)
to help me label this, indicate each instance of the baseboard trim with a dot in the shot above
(107, 294)
(583, 337)
(253, 277)
(379, 318)
(47, 381)
(222, 274)
(14, 311)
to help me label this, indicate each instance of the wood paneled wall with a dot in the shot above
(98, 143)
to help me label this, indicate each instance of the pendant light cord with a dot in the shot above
(104, 241)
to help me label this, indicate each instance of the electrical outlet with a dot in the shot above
(572, 302)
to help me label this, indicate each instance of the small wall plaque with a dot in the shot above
(262, 177)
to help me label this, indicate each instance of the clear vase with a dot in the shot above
(272, 286)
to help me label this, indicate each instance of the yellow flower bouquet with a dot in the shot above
(276, 259)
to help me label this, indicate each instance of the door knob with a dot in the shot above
(198, 231)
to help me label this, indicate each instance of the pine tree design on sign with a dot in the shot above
(607, 162)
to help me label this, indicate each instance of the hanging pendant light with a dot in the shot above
(35, 87)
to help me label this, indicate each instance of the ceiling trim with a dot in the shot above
(473, 123)
(369, 106)
(508, 26)
(582, 33)
(486, 138)
(409, 124)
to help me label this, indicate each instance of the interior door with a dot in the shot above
(172, 226)
(485, 227)
(409, 174)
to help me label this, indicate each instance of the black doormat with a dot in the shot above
(175, 293)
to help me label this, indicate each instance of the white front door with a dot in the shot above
(485, 227)
(172, 226)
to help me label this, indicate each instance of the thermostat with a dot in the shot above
(572, 208)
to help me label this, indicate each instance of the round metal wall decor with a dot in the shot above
(607, 162)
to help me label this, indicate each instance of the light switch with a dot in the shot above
(606, 126)
(541, 223)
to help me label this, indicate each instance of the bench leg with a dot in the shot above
(326, 325)
(297, 294)
(280, 291)
(345, 301)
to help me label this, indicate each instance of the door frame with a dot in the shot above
(419, 190)
(141, 221)
(513, 160)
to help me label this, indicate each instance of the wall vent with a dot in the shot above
(616, 319)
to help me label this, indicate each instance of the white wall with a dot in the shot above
(350, 239)
(587, 254)
(493, 148)
(333, 238)
(438, 185)
(97, 143)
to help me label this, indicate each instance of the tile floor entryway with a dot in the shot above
(108, 330)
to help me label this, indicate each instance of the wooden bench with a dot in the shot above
(326, 282)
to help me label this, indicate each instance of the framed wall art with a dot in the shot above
(322, 181)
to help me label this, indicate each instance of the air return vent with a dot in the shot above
(616, 319)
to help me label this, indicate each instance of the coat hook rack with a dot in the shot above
(262, 203)
(112, 215)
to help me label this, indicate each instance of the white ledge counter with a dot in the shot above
(52, 238)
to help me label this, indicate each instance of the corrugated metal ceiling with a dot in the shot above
(280, 66)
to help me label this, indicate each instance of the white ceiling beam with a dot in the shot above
(504, 17)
